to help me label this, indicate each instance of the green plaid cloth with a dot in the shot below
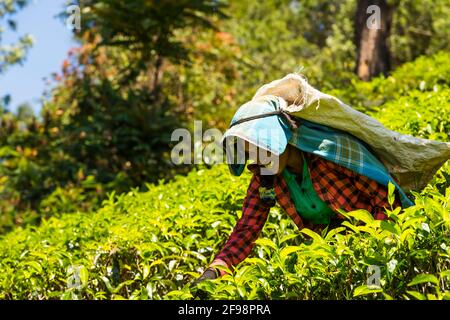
(345, 150)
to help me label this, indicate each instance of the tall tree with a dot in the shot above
(372, 29)
(15, 53)
(25, 112)
(12, 53)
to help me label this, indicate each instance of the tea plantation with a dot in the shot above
(152, 244)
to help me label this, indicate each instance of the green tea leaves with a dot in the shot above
(423, 278)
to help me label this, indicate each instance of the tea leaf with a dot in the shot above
(423, 278)
(364, 289)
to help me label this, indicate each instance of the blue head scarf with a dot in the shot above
(263, 123)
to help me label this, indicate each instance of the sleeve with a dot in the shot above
(377, 195)
(247, 229)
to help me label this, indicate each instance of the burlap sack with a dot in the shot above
(411, 161)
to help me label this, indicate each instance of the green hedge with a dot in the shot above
(151, 245)
(421, 114)
(426, 73)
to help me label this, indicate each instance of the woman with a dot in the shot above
(309, 169)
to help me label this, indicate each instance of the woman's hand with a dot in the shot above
(209, 274)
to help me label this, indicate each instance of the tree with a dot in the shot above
(24, 112)
(148, 28)
(418, 28)
(371, 38)
(15, 53)
(108, 123)
(119, 107)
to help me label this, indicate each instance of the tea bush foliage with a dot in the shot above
(152, 244)
(426, 73)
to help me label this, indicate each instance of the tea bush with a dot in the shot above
(139, 245)
(421, 114)
(151, 245)
(426, 73)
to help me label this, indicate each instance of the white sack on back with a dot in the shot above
(411, 161)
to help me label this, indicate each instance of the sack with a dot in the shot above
(411, 161)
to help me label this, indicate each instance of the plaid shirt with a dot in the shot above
(338, 186)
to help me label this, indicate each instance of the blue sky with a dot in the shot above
(52, 41)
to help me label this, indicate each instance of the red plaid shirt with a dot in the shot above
(338, 186)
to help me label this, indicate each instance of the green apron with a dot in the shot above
(306, 201)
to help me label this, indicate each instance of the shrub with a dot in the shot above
(150, 245)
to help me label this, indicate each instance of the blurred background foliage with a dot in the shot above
(13, 53)
(144, 68)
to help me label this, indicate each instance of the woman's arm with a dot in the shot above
(247, 229)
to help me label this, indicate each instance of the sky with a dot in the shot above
(52, 41)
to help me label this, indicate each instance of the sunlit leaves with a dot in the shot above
(142, 245)
(152, 244)
(364, 290)
(423, 278)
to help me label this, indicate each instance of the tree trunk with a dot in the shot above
(372, 28)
